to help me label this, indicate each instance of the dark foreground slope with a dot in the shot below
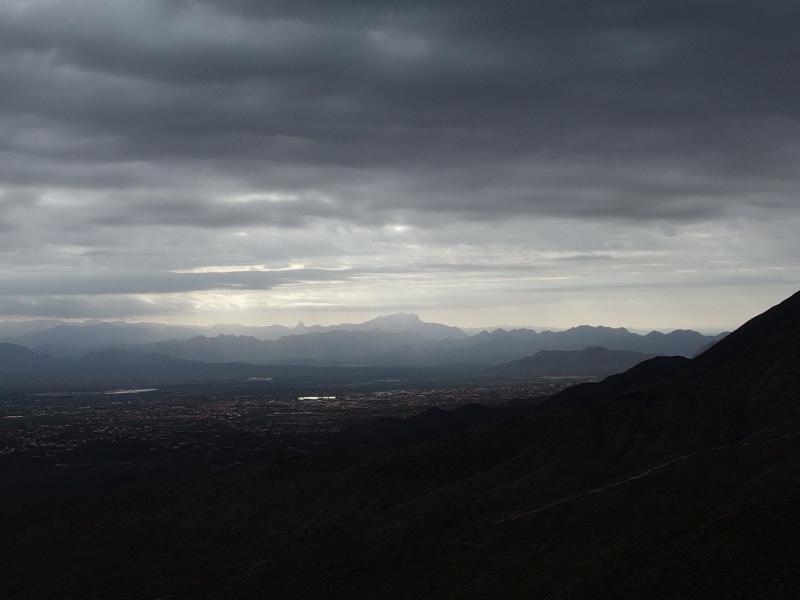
(677, 479)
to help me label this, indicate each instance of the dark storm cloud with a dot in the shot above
(201, 212)
(100, 283)
(536, 101)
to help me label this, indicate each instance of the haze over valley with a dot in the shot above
(98, 355)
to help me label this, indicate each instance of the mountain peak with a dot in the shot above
(773, 336)
(402, 322)
(398, 318)
(14, 351)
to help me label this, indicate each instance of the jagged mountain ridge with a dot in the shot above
(408, 348)
(69, 339)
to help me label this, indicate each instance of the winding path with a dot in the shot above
(642, 475)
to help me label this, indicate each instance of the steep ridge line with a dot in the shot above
(641, 475)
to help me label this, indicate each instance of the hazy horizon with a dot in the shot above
(468, 328)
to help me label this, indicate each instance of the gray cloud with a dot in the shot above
(132, 282)
(141, 137)
(76, 307)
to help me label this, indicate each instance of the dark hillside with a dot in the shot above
(677, 479)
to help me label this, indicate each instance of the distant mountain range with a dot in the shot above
(594, 361)
(392, 340)
(70, 339)
(410, 348)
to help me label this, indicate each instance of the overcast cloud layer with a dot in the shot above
(551, 163)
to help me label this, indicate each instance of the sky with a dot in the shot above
(627, 162)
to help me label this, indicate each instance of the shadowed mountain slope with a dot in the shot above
(594, 361)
